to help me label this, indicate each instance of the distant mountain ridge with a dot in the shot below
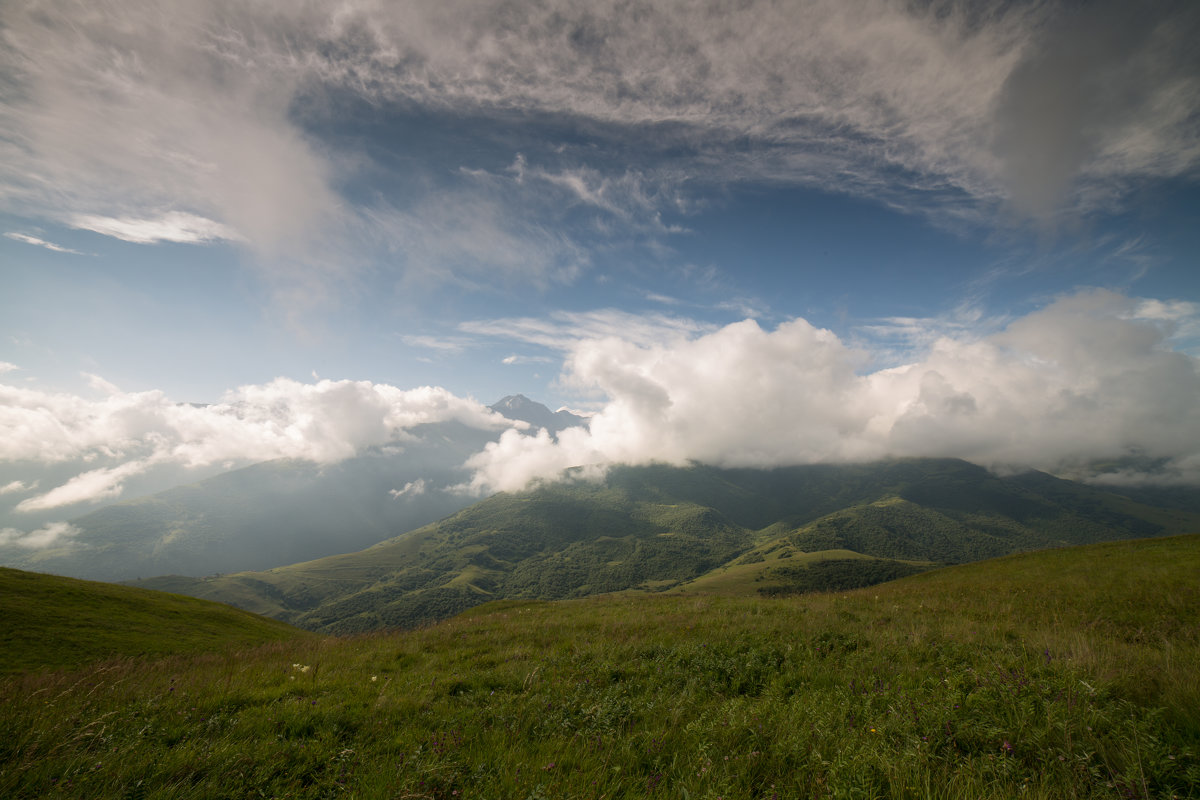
(280, 512)
(656, 528)
(518, 406)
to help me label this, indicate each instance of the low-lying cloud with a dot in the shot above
(52, 533)
(1091, 376)
(132, 432)
(1088, 377)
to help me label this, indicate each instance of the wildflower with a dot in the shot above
(1007, 746)
(374, 678)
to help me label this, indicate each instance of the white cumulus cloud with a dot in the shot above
(411, 489)
(324, 422)
(1084, 378)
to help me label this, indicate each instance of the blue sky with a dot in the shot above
(492, 198)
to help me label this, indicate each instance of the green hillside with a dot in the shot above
(1060, 673)
(48, 621)
(657, 528)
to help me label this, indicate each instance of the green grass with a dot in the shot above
(1070, 673)
(49, 621)
(745, 575)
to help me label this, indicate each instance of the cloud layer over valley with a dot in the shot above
(1091, 376)
(130, 433)
(748, 233)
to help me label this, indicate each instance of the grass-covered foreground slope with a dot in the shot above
(1066, 673)
(655, 528)
(48, 621)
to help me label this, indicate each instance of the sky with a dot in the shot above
(748, 233)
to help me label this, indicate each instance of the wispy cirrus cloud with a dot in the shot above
(522, 359)
(175, 226)
(441, 344)
(27, 239)
(214, 120)
(561, 330)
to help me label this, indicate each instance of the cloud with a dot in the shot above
(175, 226)
(7, 367)
(1108, 92)
(324, 422)
(1079, 380)
(449, 345)
(563, 329)
(91, 486)
(211, 120)
(27, 239)
(411, 489)
(631, 196)
(162, 123)
(486, 231)
(45, 536)
(14, 487)
(519, 359)
(871, 98)
(897, 340)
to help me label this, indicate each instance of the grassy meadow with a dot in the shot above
(47, 621)
(1065, 673)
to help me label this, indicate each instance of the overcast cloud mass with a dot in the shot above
(753, 233)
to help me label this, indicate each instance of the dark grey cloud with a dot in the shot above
(1108, 92)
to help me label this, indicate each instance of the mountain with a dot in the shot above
(659, 528)
(280, 512)
(518, 406)
(47, 621)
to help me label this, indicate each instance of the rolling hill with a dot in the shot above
(47, 621)
(1052, 674)
(659, 528)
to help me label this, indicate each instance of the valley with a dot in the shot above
(661, 528)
